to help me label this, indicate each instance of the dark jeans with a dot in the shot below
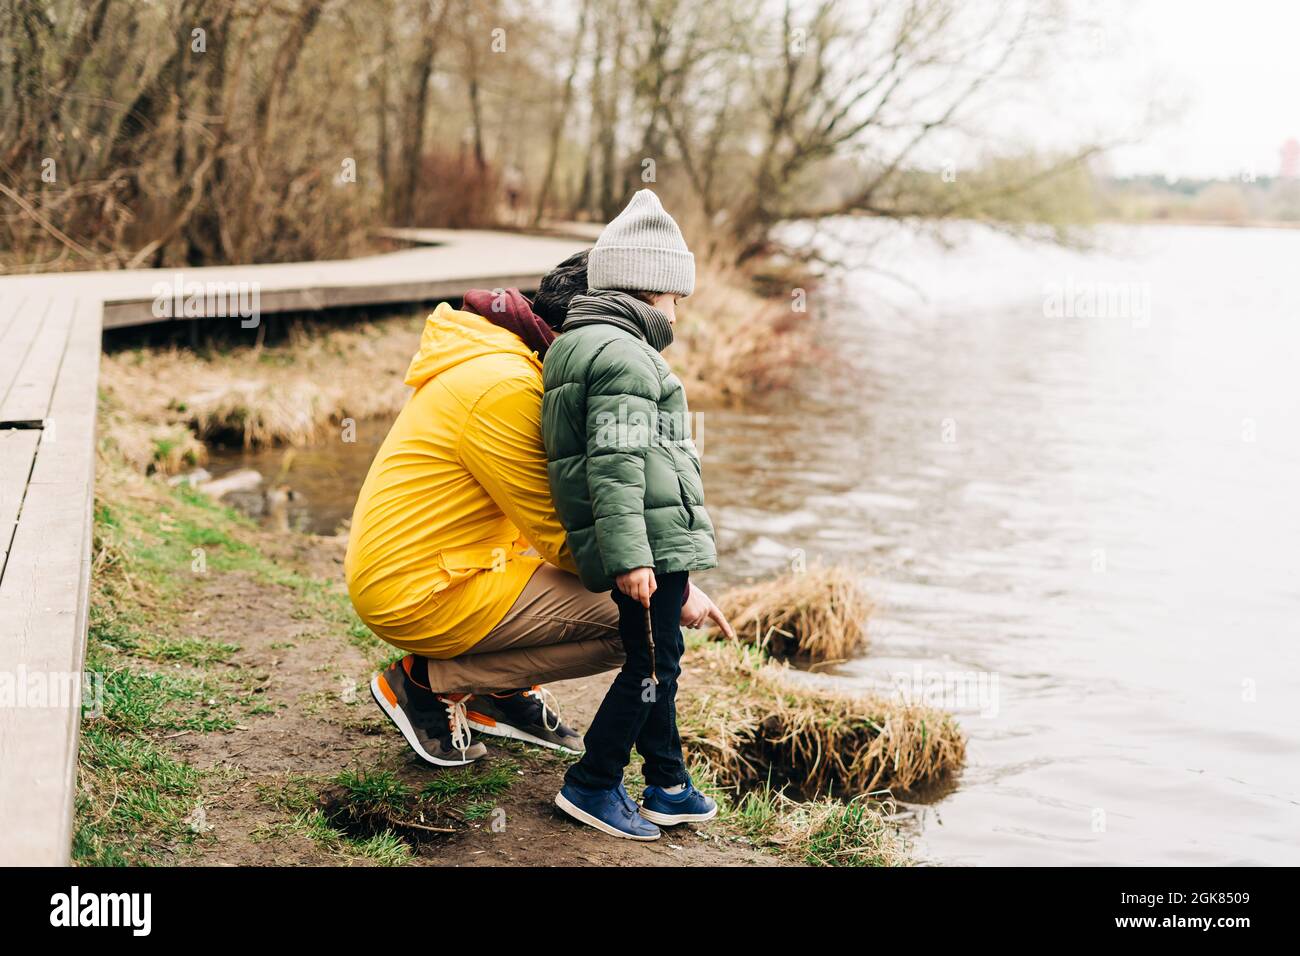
(635, 711)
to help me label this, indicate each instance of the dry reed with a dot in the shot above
(292, 393)
(732, 343)
(818, 614)
(750, 719)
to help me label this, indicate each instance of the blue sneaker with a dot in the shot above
(628, 802)
(669, 809)
(610, 811)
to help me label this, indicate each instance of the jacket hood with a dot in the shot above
(451, 337)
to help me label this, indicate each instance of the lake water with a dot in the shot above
(1094, 517)
(1070, 482)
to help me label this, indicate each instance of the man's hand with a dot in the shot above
(638, 584)
(699, 610)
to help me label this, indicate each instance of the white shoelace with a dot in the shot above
(549, 706)
(458, 721)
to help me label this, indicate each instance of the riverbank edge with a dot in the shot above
(179, 695)
(308, 380)
(158, 406)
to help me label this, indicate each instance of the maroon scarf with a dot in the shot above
(510, 309)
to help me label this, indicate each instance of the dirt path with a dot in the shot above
(272, 794)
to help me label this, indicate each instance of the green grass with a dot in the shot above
(132, 795)
(452, 788)
(157, 679)
(378, 789)
(817, 832)
(193, 651)
(143, 702)
(825, 832)
(382, 849)
(471, 783)
(140, 701)
(367, 811)
(373, 816)
(206, 526)
(296, 795)
(166, 549)
(132, 800)
(308, 823)
(479, 810)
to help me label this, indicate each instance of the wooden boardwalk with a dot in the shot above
(49, 367)
(50, 335)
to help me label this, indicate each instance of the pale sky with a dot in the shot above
(1225, 74)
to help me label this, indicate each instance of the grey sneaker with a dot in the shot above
(435, 725)
(524, 715)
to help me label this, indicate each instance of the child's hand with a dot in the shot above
(699, 610)
(638, 584)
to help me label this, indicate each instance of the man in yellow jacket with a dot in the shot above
(456, 554)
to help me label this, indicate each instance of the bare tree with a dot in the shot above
(433, 14)
(126, 141)
(562, 114)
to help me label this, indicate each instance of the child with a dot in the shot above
(625, 477)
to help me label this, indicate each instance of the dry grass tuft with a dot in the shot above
(292, 393)
(819, 614)
(166, 448)
(750, 720)
(732, 344)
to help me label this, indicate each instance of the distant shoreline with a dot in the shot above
(1224, 223)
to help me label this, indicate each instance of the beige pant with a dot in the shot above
(555, 630)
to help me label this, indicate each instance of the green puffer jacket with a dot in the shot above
(623, 469)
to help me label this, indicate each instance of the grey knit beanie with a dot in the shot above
(642, 250)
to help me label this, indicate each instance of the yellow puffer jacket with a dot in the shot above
(456, 493)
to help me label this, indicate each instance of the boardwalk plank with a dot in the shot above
(23, 331)
(28, 400)
(17, 452)
(11, 301)
(402, 289)
(44, 602)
